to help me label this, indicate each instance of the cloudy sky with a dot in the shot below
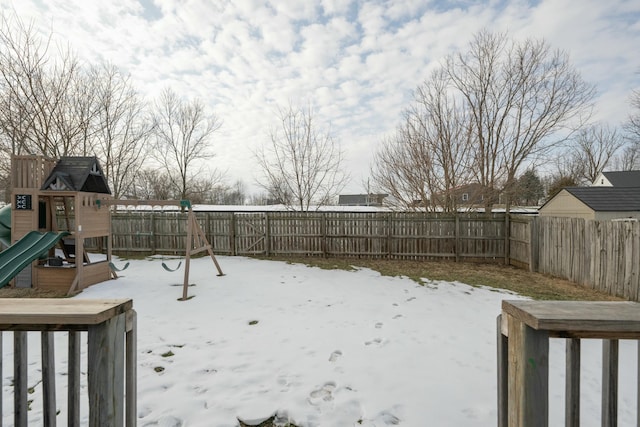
(357, 62)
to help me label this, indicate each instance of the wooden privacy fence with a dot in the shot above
(603, 255)
(371, 235)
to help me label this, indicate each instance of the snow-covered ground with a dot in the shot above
(316, 347)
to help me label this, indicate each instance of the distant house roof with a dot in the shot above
(361, 199)
(623, 178)
(608, 199)
(77, 174)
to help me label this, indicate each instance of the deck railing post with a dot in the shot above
(105, 367)
(530, 325)
(572, 383)
(73, 380)
(609, 383)
(529, 381)
(111, 327)
(20, 387)
(48, 378)
(131, 391)
(503, 375)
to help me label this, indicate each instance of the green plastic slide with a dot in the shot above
(26, 250)
(5, 225)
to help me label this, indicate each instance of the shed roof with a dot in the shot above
(608, 199)
(77, 174)
(623, 178)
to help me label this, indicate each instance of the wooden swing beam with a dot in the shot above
(195, 235)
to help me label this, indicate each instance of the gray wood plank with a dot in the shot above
(131, 391)
(105, 368)
(609, 383)
(528, 403)
(73, 385)
(503, 375)
(20, 373)
(51, 314)
(596, 317)
(572, 383)
(48, 378)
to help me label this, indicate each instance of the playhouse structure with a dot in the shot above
(58, 199)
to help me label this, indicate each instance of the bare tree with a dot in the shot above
(518, 96)
(632, 126)
(555, 183)
(123, 129)
(224, 194)
(629, 157)
(39, 96)
(183, 135)
(593, 149)
(151, 184)
(429, 157)
(302, 164)
(401, 169)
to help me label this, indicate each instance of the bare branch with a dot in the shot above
(301, 165)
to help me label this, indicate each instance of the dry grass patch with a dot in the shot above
(8, 292)
(535, 285)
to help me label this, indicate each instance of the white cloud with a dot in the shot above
(356, 61)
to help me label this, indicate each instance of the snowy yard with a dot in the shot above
(317, 347)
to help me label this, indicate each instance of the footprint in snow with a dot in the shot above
(322, 394)
(377, 341)
(335, 355)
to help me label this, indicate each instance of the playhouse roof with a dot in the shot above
(77, 174)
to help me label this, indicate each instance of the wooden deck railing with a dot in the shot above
(111, 357)
(524, 329)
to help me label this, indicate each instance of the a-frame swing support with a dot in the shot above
(196, 240)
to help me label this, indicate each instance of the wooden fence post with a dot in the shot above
(456, 237)
(232, 233)
(323, 231)
(533, 244)
(507, 239)
(389, 234)
(267, 234)
(152, 240)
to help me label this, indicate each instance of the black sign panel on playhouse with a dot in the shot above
(23, 202)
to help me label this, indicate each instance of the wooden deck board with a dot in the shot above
(578, 318)
(56, 314)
